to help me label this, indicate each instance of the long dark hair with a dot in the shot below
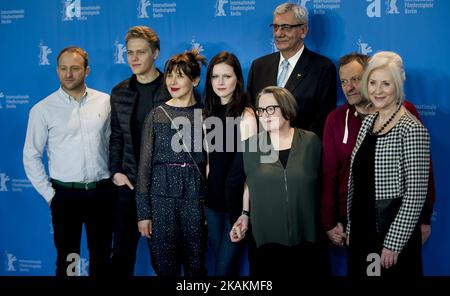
(238, 100)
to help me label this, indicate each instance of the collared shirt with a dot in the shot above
(76, 137)
(292, 62)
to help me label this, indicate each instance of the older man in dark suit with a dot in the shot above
(310, 77)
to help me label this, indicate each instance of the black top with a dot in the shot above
(363, 235)
(363, 205)
(220, 162)
(143, 105)
(122, 143)
(283, 156)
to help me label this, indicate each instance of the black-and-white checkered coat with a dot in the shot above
(401, 171)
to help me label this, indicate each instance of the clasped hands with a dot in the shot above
(240, 227)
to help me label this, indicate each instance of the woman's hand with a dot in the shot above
(239, 229)
(388, 258)
(145, 228)
(426, 231)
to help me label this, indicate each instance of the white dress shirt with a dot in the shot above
(292, 62)
(76, 137)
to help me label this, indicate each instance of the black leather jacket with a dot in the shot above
(122, 158)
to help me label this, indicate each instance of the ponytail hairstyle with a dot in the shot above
(188, 62)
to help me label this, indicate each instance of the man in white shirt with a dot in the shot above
(73, 124)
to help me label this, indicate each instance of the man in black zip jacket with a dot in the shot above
(131, 101)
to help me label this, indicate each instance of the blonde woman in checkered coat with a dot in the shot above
(388, 178)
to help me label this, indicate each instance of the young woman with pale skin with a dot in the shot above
(228, 108)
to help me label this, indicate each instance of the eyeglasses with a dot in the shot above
(284, 27)
(270, 110)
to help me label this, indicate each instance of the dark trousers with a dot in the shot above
(305, 260)
(409, 263)
(126, 233)
(71, 208)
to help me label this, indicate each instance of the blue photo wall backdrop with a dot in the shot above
(32, 32)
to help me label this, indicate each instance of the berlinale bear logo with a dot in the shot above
(142, 8)
(219, 7)
(44, 51)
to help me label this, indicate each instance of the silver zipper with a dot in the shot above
(287, 205)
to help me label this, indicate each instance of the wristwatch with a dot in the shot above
(246, 213)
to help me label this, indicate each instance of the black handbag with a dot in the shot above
(386, 211)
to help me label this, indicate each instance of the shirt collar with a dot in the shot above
(68, 98)
(293, 59)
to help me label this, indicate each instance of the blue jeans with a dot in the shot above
(338, 258)
(225, 253)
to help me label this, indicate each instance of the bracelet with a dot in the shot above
(246, 213)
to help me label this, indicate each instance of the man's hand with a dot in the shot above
(388, 258)
(120, 179)
(145, 228)
(426, 232)
(337, 235)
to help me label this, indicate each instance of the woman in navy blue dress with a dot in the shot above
(170, 181)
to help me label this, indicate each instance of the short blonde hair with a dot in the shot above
(286, 101)
(144, 32)
(394, 64)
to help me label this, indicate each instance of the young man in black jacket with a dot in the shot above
(131, 101)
